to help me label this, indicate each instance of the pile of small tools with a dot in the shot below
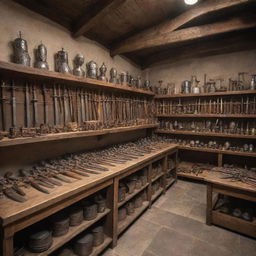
(196, 168)
(50, 174)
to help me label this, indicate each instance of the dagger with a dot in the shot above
(10, 193)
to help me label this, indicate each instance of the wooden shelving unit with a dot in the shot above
(212, 94)
(206, 134)
(73, 231)
(157, 177)
(170, 183)
(71, 135)
(131, 218)
(208, 115)
(191, 176)
(130, 196)
(17, 70)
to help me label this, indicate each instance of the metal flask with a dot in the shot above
(20, 48)
(92, 70)
(194, 85)
(62, 62)
(186, 87)
(113, 76)
(41, 57)
(253, 83)
(103, 71)
(123, 78)
(78, 63)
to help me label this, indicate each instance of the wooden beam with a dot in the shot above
(171, 25)
(97, 12)
(48, 12)
(188, 34)
(203, 49)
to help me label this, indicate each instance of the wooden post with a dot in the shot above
(7, 242)
(209, 204)
(149, 188)
(220, 159)
(164, 164)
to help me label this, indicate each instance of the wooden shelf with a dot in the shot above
(193, 95)
(170, 183)
(208, 115)
(212, 134)
(218, 151)
(171, 169)
(157, 194)
(191, 176)
(73, 231)
(17, 70)
(131, 218)
(157, 177)
(71, 135)
(233, 223)
(130, 196)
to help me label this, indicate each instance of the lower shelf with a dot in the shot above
(73, 231)
(157, 194)
(191, 176)
(129, 219)
(97, 250)
(170, 183)
(233, 223)
(157, 177)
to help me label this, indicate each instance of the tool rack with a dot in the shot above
(16, 216)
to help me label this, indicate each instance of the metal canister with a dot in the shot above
(122, 214)
(98, 236)
(40, 241)
(121, 192)
(60, 225)
(186, 87)
(101, 204)
(84, 246)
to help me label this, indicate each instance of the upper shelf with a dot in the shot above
(34, 73)
(210, 94)
(71, 135)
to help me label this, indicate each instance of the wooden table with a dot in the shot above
(235, 189)
(16, 216)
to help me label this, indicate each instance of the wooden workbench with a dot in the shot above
(16, 216)
(235, 189)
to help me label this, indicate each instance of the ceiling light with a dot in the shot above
(191, 2)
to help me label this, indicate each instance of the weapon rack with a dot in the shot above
(219, 154)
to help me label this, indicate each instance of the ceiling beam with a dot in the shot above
(209, 6)
(94, 15)
(202, 49)
(193, 33)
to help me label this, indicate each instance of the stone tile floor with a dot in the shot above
(175, 226)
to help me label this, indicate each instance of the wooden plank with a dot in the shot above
(73, 231)
(6, 142)
(157, 194)
(210, 134)
(187, 34)
(96, 14)
(208, 115)
(171, 25)
(233, 223)
(191, 176)
(30, 73)
(208, 94)
(209, 204)
(131, 218)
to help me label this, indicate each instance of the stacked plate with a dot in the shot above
(40, 241)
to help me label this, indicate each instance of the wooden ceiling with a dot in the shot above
(151, 31)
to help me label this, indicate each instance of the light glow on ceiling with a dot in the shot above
(190, 2)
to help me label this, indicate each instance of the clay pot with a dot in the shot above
(98, 236)
(90, 210)
(75, 216)
(40, 241)
(84, 246)
(60, 225)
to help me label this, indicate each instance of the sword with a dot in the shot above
(13, 103)
(34, 102)
(44, 91)
(65, 106)
(3, 110)
(55, 104)
(82, 106)
(27, 106)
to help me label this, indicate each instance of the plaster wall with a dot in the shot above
(223, 66)
(36, 29)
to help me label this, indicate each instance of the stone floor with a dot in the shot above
(175, 226)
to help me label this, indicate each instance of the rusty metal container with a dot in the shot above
(84, 246)
(98, 236)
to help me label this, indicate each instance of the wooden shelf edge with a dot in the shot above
(130, 196)
(212, 134)
(190, 176)
(129, 219)
(168, 185)
(157, 194)
(71, 135)
(34, 73)
(97, 250)
(218, 151)
(157, 177)
(192, 95)
(171, 169)
(208, 115)
(73, 231)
